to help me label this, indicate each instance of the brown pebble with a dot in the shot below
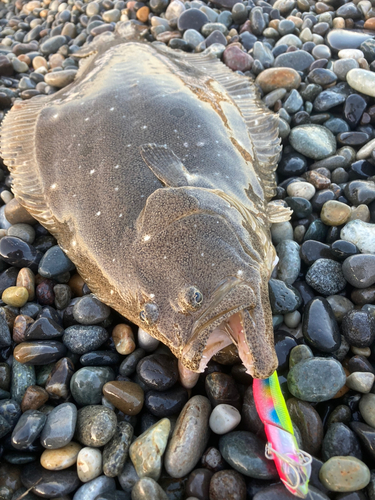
(318, 180)
(34, 397)
(123, 338)
(370, 24)
(24, 58)
(15, 296)
(142, 14)
(338, 23)
(236, 59)
(198, 483)
(76, 284)
(321, 7)
(39, 62)
(275, 78)
(21, 324)
(44, 292)
(58, 381)
(26, 278)
(16, 214)
(125, 396)
(56, 61)
(227, 485)
(61, 458)
(212, 460)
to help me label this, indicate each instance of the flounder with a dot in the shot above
(154, 170)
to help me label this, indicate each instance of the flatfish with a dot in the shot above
(154, 170)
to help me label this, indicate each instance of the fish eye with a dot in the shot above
(149, 313)
(191, 298)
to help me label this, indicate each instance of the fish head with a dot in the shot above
(202, 276)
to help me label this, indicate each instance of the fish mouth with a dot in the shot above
(235, 316)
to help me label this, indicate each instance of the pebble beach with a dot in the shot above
(91, 406)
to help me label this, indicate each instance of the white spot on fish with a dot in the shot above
(202, 254)
(152, 295)
(92, 171)
(120, 215)
(98, 213)
(200, 144)
(87, 119)
(144, 127)
(116, 188)
(112, 292)
(53, 186)
(186, 144)
(113, 260)
(239, 272)
(111, 109)
(117, 166)
(74, 243)
(147, 237)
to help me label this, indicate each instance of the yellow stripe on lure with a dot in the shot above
(293, 464)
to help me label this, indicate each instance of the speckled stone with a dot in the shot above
(326, 277)
(96, 425)
(87, 383)
(316, 379)
(147, 488)
(147, 450)
(313, 141)
(82, 338)
(189, 438)
(340, 441)
(344, 474)
(116, 450)
(22, 377)
(227, 484)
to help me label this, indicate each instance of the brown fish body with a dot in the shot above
(154, 170)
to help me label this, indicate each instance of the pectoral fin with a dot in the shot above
(167, 167)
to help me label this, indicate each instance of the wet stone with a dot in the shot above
(354, 108)
(49, 484)
(326, 277)
(274, 78)
(335, 213)
(10, 413)
(358, 327)
(54, 263)
(339, 39)
(366, 435)
(5, 338)
(60, 459)
(89, 310)
(89, 464)
(28, 429)
(34, 398)
(4, 376)
(128, 397)
(245, 453)
(359, 270)
(327, 100)
(189, 438)
(167, 403)
(82, 338)
(360, 192)
(147, 450)
(283, 345)
(236, 59)
(148, 488)
(39, 352)
(158, 371)
(312, 250)
(22, 377)
(57, 383)
(344, 474)
(341, 250)
(309, 424)
(284, 298)
(96, 425)
(18, 253)
(52, 45)
(97, 486)
(316, 379)
(340, 441)
(128, 366)
(59, 427)
(87, 383)
(313, 141)
(319, 327)
(116, 450)
(43, 329)
(224, 418)
(192, 19)
(367, 408)
(100, 358)
(227, 484)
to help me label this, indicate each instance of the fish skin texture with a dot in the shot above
(154, 170)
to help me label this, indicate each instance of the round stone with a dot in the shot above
(301, 189)
(15, 296)
(89, 464)
(313, 141)
(158, 371)
(62, 458)
(362, 234)
(344, 474)
(88, 310)
(362, 80)
(47, 483)
(358, 327)
(224, 418)
(359, 270)
(335, 213)
(96, 425)
(60, 426)
(227, 484)
(367, 409)
(80, 339)
(316, 379)
(128, 397)
(275, 78)
(326, 277)
(360, 382)
(87, 383)
(123, 338)
(319, 327)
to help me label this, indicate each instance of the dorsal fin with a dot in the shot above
(262, 124)
(18, 151)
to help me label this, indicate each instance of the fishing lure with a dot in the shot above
(293, 464)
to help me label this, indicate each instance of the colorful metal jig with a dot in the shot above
(293, 464)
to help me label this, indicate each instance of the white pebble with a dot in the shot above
(147, 342)
(350, 54)
(301, 189)
(292, 319)
(360, 381)
(364, 152)
(6, 196)
(224, 418)
(89, 464)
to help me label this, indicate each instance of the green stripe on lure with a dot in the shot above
(293, 464)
